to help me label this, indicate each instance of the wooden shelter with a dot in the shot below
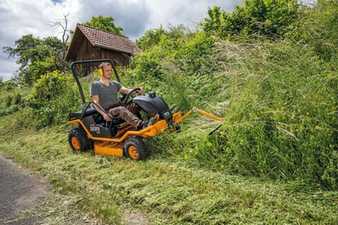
(90, 43)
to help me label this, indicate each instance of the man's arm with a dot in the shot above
(124, 90)
(95, 99)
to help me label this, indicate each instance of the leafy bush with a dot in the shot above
(195, 55)
(53, 97)
(8, 100)
(17, 99)
(181, 67)
(8, 85)
(8, 110)
(151, 38)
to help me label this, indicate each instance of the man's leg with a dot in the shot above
(126, 115)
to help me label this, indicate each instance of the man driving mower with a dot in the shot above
(104, 95)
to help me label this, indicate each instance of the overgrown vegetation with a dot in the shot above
(269, 68)
(282, 118)
(53, 96)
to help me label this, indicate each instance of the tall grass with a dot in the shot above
(282, 118)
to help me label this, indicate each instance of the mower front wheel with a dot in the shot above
(78, 140)
(135, 148)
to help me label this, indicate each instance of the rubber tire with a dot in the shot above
(85, 143)
(140, 146)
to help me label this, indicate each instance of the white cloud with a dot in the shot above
(20, 17)
(8, 67)
(188, 13)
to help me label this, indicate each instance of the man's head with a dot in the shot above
(106, 69)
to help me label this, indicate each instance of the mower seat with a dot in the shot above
(77, 115)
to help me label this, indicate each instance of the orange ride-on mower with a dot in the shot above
(116, 138)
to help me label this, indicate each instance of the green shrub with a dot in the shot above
(8, 110)
(53, 97)
(151, 38)
(17, 99)
(8, 85)
(195, 55)
(179, 67)
(8, 100)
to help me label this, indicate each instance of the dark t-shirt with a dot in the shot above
(108, 95)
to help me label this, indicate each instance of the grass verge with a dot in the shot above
(168, 191)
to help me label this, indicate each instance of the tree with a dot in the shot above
(152, 37)
(36, 56)
(269, 18)
(105, 23)
(215, 19)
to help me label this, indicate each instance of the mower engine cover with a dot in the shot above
(151, 103)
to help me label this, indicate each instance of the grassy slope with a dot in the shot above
(168, 191)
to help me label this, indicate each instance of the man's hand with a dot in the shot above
(106, 117)
(141, 91)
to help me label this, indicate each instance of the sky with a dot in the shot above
(21, 17)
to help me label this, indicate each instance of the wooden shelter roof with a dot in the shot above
(102, 39)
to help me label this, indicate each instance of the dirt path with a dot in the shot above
(27, 199)
(18, 191)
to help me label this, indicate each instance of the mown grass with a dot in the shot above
(167, 190)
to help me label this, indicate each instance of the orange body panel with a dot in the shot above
(147, 132)
(108, 149)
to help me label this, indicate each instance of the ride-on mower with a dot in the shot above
(117, 138)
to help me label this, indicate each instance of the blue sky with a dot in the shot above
(20, 17)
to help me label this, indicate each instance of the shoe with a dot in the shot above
(143, 125)
(146, 123)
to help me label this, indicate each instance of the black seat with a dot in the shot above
(77, 115)
(115, 120)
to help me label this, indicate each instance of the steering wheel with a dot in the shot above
(125, 100)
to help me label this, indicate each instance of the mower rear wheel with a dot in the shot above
(78, 140)
(135, 148)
